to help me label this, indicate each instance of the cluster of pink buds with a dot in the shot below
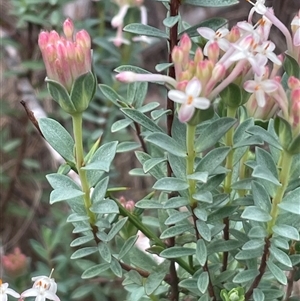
(118, 21)
(127, 204)
(66, 58)
(14, 264)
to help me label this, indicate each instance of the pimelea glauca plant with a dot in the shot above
(222, 218)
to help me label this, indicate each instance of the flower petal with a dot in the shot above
(177, 96)
(11, 292)
(250, 86)
(201, 103)
(193, 87)
(206, 32)
(51, 296)
(186, 112)
(32, 292)
(269, 85)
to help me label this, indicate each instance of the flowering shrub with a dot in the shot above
(222, 218)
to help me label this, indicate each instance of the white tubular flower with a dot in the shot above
(189, 100)
(118, 19)
(4, 291)
(296, 30)
(43, 288)
(259, 88)
(214, 36)
(259, 7)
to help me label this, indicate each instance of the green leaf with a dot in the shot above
(95, 270)
(261, 197)
(116, 228)
(203, 196)
(129, 243)
(120, 125)
(58, 138)
(105, 206)
(176, 202)
(290, 202)
(257, 232)
(75, 217)
(211, 3)
(142, 120)
(201, 252)
(175, 231)
(149, 107)
(277, 272)
(177, 252)
(84, 252)
(252, 140)
(153, 281)
(284, 131)
(166, 143)
(177, 217)
(253, 244)
(81, 240)
(231, 95)
(280, 256)
(213, 23)
(213, 159)
(145, 30)
(111, 95)
(62, 194)
(148, 204)
(203, 230)
(213, 133)
(58, 181)
(127, 146)
(83, 90)
(199, 176)
(156, 114)
(60, 95)
(163, 66)
(221, 245)
(149, 164)
(170, 184)
(258, 295)
(104, 251)
(265, 135)
(103, 157)
(286, 231)
(202, 282)
(99, 192)
(254, 213)
(171, 21)
(245, 276)
(291, 66)
(249, 254)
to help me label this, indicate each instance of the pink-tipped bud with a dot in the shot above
(130, 205)
(218, 72)
(293, 82)
(43, 40)
(213, 52)
(68, 28)
(126, 77)
(182, 85)
(53, 37)
(295, 107)
(83, 39)
(177, 55)
(234, 34)
(185, 43)
(204, 70)
(198, 55)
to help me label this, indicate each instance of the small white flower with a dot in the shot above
(189, 100)
(214, 36)
(43, 288)
(266, 49)
(259, 88)
(4, 291)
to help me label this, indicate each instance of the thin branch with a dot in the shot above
(138, 133)
(31, 117)
(226, 237)
(262, 268)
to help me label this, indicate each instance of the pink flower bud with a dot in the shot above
(177, 55)
(185, 43)
(68, 28)
(295, 107)
(14, 264)
(234, 34)
(182, 85)
(293, 82)
(198, 55)
(213, 51)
